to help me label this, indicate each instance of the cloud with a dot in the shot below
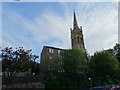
(100, 25)
(49, 28)
(41, 30)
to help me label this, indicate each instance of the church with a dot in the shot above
(77, 41)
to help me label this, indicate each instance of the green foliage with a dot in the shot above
(16, 61)
(35, 68)
(104, 65)
(67, 71)
(116, 49)
(75, 66)
(74, 61)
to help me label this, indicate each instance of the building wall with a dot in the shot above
(47, 54)
(77, 39)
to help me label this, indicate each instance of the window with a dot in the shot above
(51, 50)
(58, 52)
(78, 39)
(75, 40)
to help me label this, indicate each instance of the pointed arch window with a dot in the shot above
(75, 40)
(78, 39)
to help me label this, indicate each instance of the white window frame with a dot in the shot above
(51, 50)
(59, 52)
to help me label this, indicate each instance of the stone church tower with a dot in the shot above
(77, 40)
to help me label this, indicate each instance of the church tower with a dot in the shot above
(77, 40)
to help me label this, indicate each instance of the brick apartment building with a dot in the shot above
(48, 52)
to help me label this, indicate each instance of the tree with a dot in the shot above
(116, 51)
(103, 65)
(52, 73)
(69, 70)
(75, 66)
(16, 61)
(35, 68)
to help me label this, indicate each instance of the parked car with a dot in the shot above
(108, 87)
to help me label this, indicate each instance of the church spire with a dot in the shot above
(75, 22)
(77, 40)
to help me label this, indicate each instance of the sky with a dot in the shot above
(37, 24)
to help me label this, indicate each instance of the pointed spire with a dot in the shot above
(75, 22)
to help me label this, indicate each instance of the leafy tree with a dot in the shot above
(103, 65)
(67, 71)
(16, 61)
(75, 66)
(35, 68)
(116, 51)
(52, 70)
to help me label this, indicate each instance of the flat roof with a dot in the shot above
(53, 47)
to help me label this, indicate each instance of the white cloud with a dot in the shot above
(99, 27)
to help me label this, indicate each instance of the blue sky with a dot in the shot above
(35, 24)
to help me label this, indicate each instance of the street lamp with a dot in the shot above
(90, 81)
